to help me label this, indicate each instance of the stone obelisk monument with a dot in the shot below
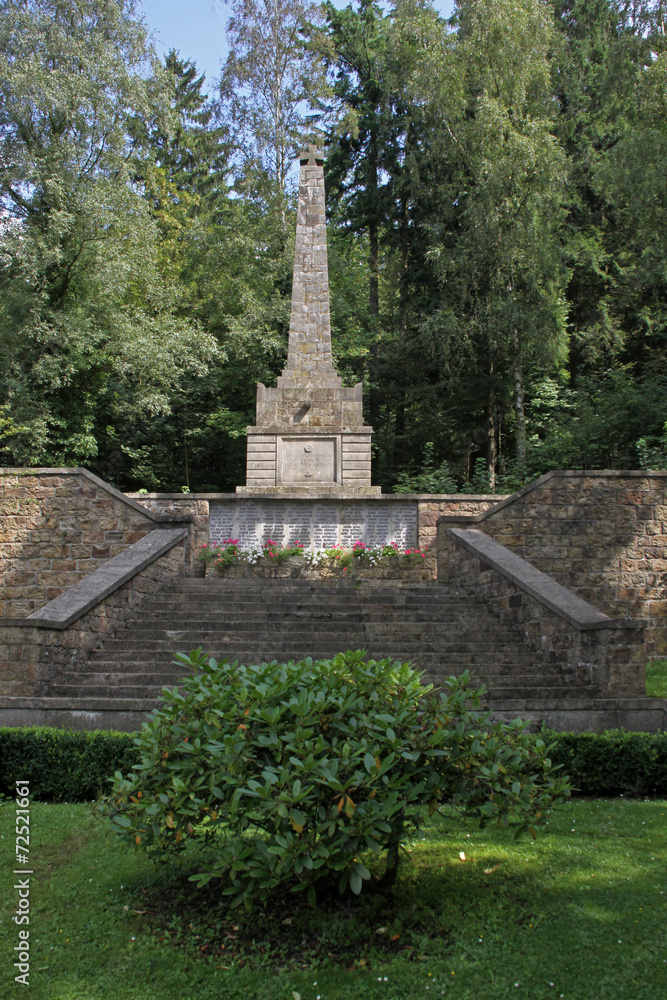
(309, 435)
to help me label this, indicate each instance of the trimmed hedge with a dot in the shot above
(613, 762)
(67, 766)
(63, 765)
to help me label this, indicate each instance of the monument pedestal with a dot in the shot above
(309, 460)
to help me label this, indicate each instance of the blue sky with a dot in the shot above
(197, 29)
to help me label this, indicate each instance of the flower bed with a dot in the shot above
(292, 560)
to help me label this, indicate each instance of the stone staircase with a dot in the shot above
(264, 619)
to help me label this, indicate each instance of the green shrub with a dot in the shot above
(62, 765)
(613, 762)
(290, 771)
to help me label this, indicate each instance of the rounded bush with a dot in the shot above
(290, 771)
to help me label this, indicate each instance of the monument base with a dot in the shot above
(307, 492)
(309, 460)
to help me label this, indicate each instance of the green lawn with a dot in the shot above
(656, 679)
(581, 913)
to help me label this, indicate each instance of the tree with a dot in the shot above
(86, 315)
(509, 241)
(267, 82)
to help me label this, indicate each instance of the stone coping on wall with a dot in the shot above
(93, 588)
(543, 588)
(126, 498)
(505, 501)
(325, 495)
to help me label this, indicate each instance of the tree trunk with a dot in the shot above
(373, 284)
(491, 439)
(393, 857)
(519, 414)
(491, 450)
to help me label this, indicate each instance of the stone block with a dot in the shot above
(363, 465)
(254, 464)
(133, 536)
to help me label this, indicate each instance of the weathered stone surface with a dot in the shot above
(598, 534)
(68, 524)
(98, 584)
(33, 656)
(316, 523)
(309, 399)
(596, 655)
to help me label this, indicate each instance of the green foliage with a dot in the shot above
(290, 771)
(88, 319)
(267, 79)
(656, 679)
(549, 910)
(614, 762)
(62, 765)
(75, 766)
(497, 236)
(653, 452)
(432, 478)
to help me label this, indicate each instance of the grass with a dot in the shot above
(580, 913)
(656, 679)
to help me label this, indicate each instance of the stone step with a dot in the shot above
(111, 682)
(393, 595)
(297, 618)
(441, 637)
(254, 621)
(181, 619)
(112, 671)
(302, 607)
(152, 691)
(287, 649)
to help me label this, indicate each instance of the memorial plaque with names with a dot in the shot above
(249, 520)
(378, 525)
(221, 522)
(300, 524)
(326, 531)
(317, 524)
(352, 524)
(273, 522)
(405, 525)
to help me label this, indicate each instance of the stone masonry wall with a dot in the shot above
(433, 507)
(607, 661)
(56, 526)
(429, 506)
(177, 504)
(32, 658)
(602, 535)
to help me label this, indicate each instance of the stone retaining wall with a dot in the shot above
(56, 527)
(607, 660)
(31, 658)
(429, 508)
(601, 534)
